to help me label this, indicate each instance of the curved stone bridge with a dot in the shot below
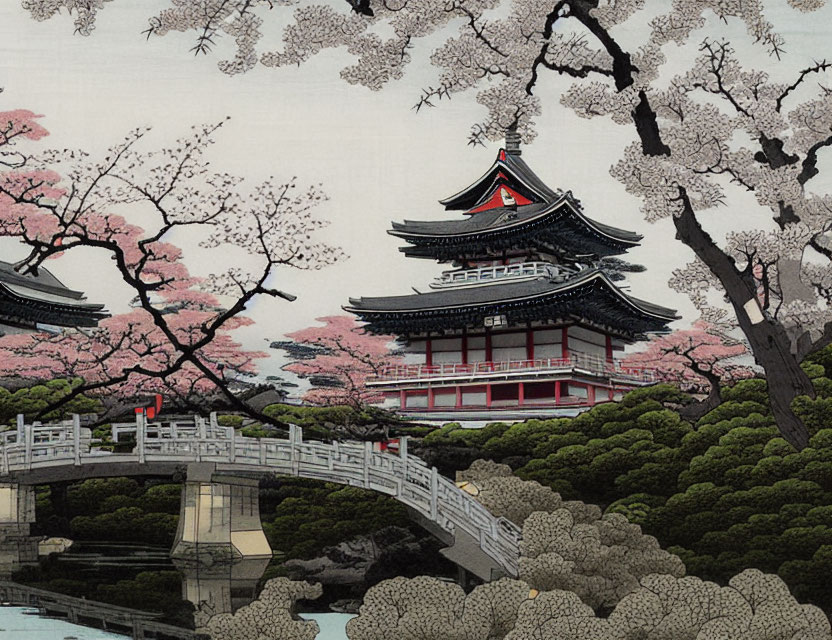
(481, 543)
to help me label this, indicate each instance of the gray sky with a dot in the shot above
(377, 158)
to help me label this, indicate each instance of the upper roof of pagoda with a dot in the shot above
(27, 299)
(510, 172)
(557, 225)
(588, 298)
(510, 207)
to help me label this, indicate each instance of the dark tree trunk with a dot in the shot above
(696, 410)
(786, 379)
(771, 346)
(769, 341)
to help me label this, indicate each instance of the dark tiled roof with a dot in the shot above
(558, 225)
(44, 281)
(501, 218)
(29, 299)
(508, 163)
(590, 293)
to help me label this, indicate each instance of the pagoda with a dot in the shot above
(42, 303)
(525, 322)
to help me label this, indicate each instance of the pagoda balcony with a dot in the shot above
(575, 365)
(499, 273)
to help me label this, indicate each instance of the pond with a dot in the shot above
(78, 571)
(22, 622)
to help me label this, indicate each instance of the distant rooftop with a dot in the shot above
(28, 300)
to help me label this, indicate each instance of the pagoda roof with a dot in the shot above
(558, 225)
(28, 299)
(514, 171)
(588, 298)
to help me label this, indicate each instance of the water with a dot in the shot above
(16, 624)
(333, 625)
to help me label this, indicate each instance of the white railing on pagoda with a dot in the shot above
(483, 275)
(32, 447)
(574, 364)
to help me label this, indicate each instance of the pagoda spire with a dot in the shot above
(513, 141)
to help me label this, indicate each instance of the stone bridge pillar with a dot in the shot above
(17, 506)
(17, 513)
(219, 520)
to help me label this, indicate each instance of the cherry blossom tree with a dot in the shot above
(700, 359)
(178, 337)
(337, 358)
(717, 127)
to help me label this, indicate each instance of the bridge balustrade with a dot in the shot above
(405, 477)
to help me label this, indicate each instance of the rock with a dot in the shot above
(53, 545)
(347, 605)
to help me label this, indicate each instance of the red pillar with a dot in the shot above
(611, 393)
(428, 352)
(557, 391)
(402, 399)
(431, 398)
(458, 403)
(564, 342)
(529, 344)
(590, 394)
(488, 396)
(521, 391)
(464, 347)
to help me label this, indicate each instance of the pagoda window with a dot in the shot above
(476, 349)
(474, 396)
(416, 352)
(578, 390)
(508, 346)
(547, 343)
(444, 397)
(505, 395)
(592, 343)
(392, 400)
(538, 393)
(447, 350)
(416, 399)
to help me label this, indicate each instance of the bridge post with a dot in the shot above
(434, 493)
(368, 457)
(219, 520)
(29, 440)
(76, 438)
(140, 434)
(295, 438)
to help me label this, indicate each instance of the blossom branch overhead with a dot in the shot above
(178, 338)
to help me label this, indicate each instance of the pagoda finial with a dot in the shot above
(513, 140)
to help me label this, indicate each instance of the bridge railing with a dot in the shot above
(403, 476)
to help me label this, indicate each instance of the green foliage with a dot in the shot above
(309, 516)
(230, 421)
(113, 509)
(126, 523)
(726, 494)
(31, 400)
(822, 358)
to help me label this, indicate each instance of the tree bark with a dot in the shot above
(771, 346)
(696, 410)
(769, 341)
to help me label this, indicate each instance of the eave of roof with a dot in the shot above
(498, 220)
(510, 163)
(44, 281)
(504, 293)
